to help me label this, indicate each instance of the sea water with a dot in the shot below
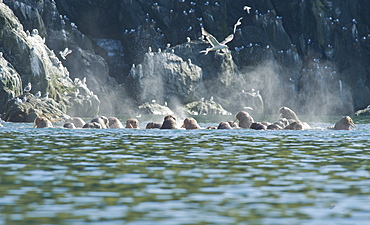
(139, 177)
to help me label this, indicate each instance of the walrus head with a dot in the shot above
(190, 123)
(114, 122)
(42, 122)
(169, 122)
(153, 125)
(297, 125)
(344, 124)
(224, 125)
(285, 112)
(245, 120)
(132, 123)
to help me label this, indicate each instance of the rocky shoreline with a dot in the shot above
(130, 54)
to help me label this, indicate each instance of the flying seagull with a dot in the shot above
(64, 53)
(248, 8)
(217, 46)
(238, 23)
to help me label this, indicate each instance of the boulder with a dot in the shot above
(155, 109)
(27, 107)
(363, 112)
(205, 107)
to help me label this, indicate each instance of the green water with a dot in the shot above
(139, 177)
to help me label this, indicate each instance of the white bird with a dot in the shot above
(17, 101)
(248, 8)
(28, 87)
(46, 95)
(38, 94)
(238, 23)
(216, 46)
(65, 52)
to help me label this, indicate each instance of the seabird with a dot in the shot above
(46, 95)
(17, 101)
(216, 46)
(64, 53)
(28, 87)
(248, 8)
(237, 23)
(38, 94)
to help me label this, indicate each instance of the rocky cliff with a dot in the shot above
(27, 61)
(308, 55)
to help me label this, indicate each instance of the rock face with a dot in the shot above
(26, 108)
(205, 107)
(11, 83)
(308, 55)
(26, 59)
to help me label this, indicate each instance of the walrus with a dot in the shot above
(190, 124)
(224, 125)
(153, 125)
(258, 126)
(69, 125)
(77, 121)
(343, 124)
(42, 122)
(169, 122)
(132, 123)
(114, 122)
(211, 128)
(102, 120)
(296, 125)
(287, 113)
(283, 122)
(233, 124)
(245, 120)
(274, 126)
(93, 125)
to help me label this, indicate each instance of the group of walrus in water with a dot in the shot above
(288, 120)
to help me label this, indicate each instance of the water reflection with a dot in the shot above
(56, 176)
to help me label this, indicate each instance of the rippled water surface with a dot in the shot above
(58, 176)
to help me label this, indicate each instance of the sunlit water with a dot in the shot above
(139, 177)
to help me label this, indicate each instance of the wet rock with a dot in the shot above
(155, 109)
(363, 112)
(168, 76)
(26, 108)
(205, 107)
